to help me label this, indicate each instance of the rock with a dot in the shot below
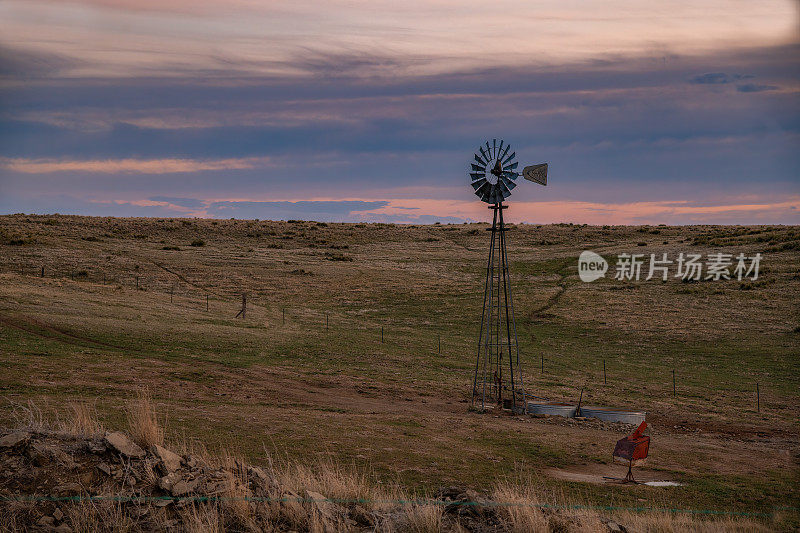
(162, 503)
(39, 454)
(122, 444)
(46, 521)
(324, 509)
(167, 482)
(613, 526)
(67, 489)
(63, 528)
(183, 487)
(58, 515)
(97, 447)
(170, 461)
(104, 468)
(18, 439)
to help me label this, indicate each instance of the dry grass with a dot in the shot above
(236, 491)
(202, 518)
(143, 422)
(93, 516)
(422, 518)
(678, 523)
(82, 421)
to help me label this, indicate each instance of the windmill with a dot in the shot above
(493, 174)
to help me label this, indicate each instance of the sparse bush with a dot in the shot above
(82, 274)
(90, 238)
(274, 246)
(330, 256)
(142, 421)
(198, 242)
(171, 248)
(82, 421)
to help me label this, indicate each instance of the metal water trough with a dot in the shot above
(554, 409)
(614, 415)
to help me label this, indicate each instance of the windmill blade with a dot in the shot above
(508, 183)
(500, 148)
(503, 154)
(489, 149)
(476, 184)
(494, 147)
(485, 155)
(479, 160)
(478, 168)
(485, 187)
(477, 175)
(511, 175)
(509, 158)
(512, 166)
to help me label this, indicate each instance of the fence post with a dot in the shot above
(206, 302)
(674, 389)
(42, 270)
(381, 334)
(758, 398)
(605, 381)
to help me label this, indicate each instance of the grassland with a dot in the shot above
(280, 382)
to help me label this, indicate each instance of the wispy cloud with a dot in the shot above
(127, 166)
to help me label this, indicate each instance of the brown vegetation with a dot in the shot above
(101, 483)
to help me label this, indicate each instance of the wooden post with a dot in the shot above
(137, 283)
(605, 382)
(283, 316)
(42, 270)
(542, 362)
(206, 302)
(381, 334)
(244, 305)
(104, 277)
(440, 344)
(758, 398)
(326, 320)
(674, 389)
(171, 290)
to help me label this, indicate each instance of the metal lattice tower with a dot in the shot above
(498, 376)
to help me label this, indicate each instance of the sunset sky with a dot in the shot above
(677, 112)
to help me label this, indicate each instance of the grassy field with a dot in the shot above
(281, 382)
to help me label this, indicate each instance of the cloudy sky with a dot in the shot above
(648, 111)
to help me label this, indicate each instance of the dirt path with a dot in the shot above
(47, 331)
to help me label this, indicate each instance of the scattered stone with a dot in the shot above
(46, 521)
(67, 489)
(58, 515)
(97, 447)
(104, 468)
(183, 487)
(324, 509)
(18, 439)
(167, 482)
(170, 461)
(613, 527)
(39, 454)
(162, 503)
(122, 444)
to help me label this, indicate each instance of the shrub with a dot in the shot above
(330, 256)
(170, 248)
(198, 242)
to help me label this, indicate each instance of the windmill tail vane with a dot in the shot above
(498, 378)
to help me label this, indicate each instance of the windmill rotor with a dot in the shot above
(493, 173)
